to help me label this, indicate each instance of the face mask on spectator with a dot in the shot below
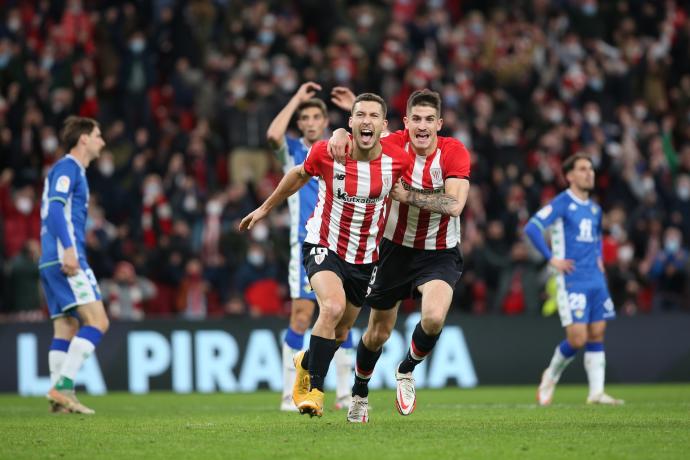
(152, 190)
(13, 24)
(625, 254)
(5, 59)
(49, 144)
(672, 245)
(597, 84)
(683, 192)
(555, 115)
(106, 168)
(288, 84)
(366, 20)
(589, 9)
(593, 117)
(213, 208)
(266, 37)
(189, 203)
(256, 258)
(260, 232)
(616, 231)
(137, 45)
(640, 112)
(342, 74)
(24, 205)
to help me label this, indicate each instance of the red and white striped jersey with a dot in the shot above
(353, 201)
(413, 227)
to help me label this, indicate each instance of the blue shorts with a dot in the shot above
(297, 275)
(64, 294)
(583, 301)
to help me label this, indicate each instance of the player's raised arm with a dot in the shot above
(276, 130)
(343, 98)
(294, 180)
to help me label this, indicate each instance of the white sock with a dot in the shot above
(344, 372)
(79, 350)
(595, 365)
(558, 364)
(288, 370)
(55, 360)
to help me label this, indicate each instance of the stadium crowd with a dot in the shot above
(185, 91)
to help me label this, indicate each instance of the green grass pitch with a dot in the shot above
(487, 422)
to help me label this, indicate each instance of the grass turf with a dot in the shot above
(487, 422)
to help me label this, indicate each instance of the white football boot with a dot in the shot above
(603, 398)
(405, 397)
(546, 388)
(359, 410)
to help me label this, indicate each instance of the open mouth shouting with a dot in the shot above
(367, 135)
(422, 137)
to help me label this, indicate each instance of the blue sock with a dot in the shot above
(59, 345)
(566, 349)
(293, 339)
(594, 346)
(348, 341)
(91, 334)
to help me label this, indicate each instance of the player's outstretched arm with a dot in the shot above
(450, 203)
(276, 130)
(289, 184)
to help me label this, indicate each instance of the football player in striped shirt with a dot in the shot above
(419, 253)
(312, 121)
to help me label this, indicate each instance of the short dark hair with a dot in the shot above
(373, 98)
(569, 163)
(313, 102)
(74, 127)
(425, 98)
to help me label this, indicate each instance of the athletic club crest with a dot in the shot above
(319, 258)
(436, 174)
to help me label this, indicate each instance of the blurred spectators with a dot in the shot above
(185, 91)
(125, 294)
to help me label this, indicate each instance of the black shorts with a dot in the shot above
(401, 270)
(355, 277)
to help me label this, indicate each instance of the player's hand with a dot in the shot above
(562, 265)
(252, 218)
(339, 146)
(343, 98)
(70, 263)
(400, 193)
(307, 90)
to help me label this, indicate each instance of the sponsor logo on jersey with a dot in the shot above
(356, 199)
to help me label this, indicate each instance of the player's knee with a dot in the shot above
(577, 341)
(433, 323)
(331, 309)
(102, 323)
(377, 336)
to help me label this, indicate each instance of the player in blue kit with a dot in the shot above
(69, 284)
(584, 303)
(312, 121)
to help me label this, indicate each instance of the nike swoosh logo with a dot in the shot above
(400, 399)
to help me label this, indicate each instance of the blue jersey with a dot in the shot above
(66, 182)
(301, 204)
(575, 233)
